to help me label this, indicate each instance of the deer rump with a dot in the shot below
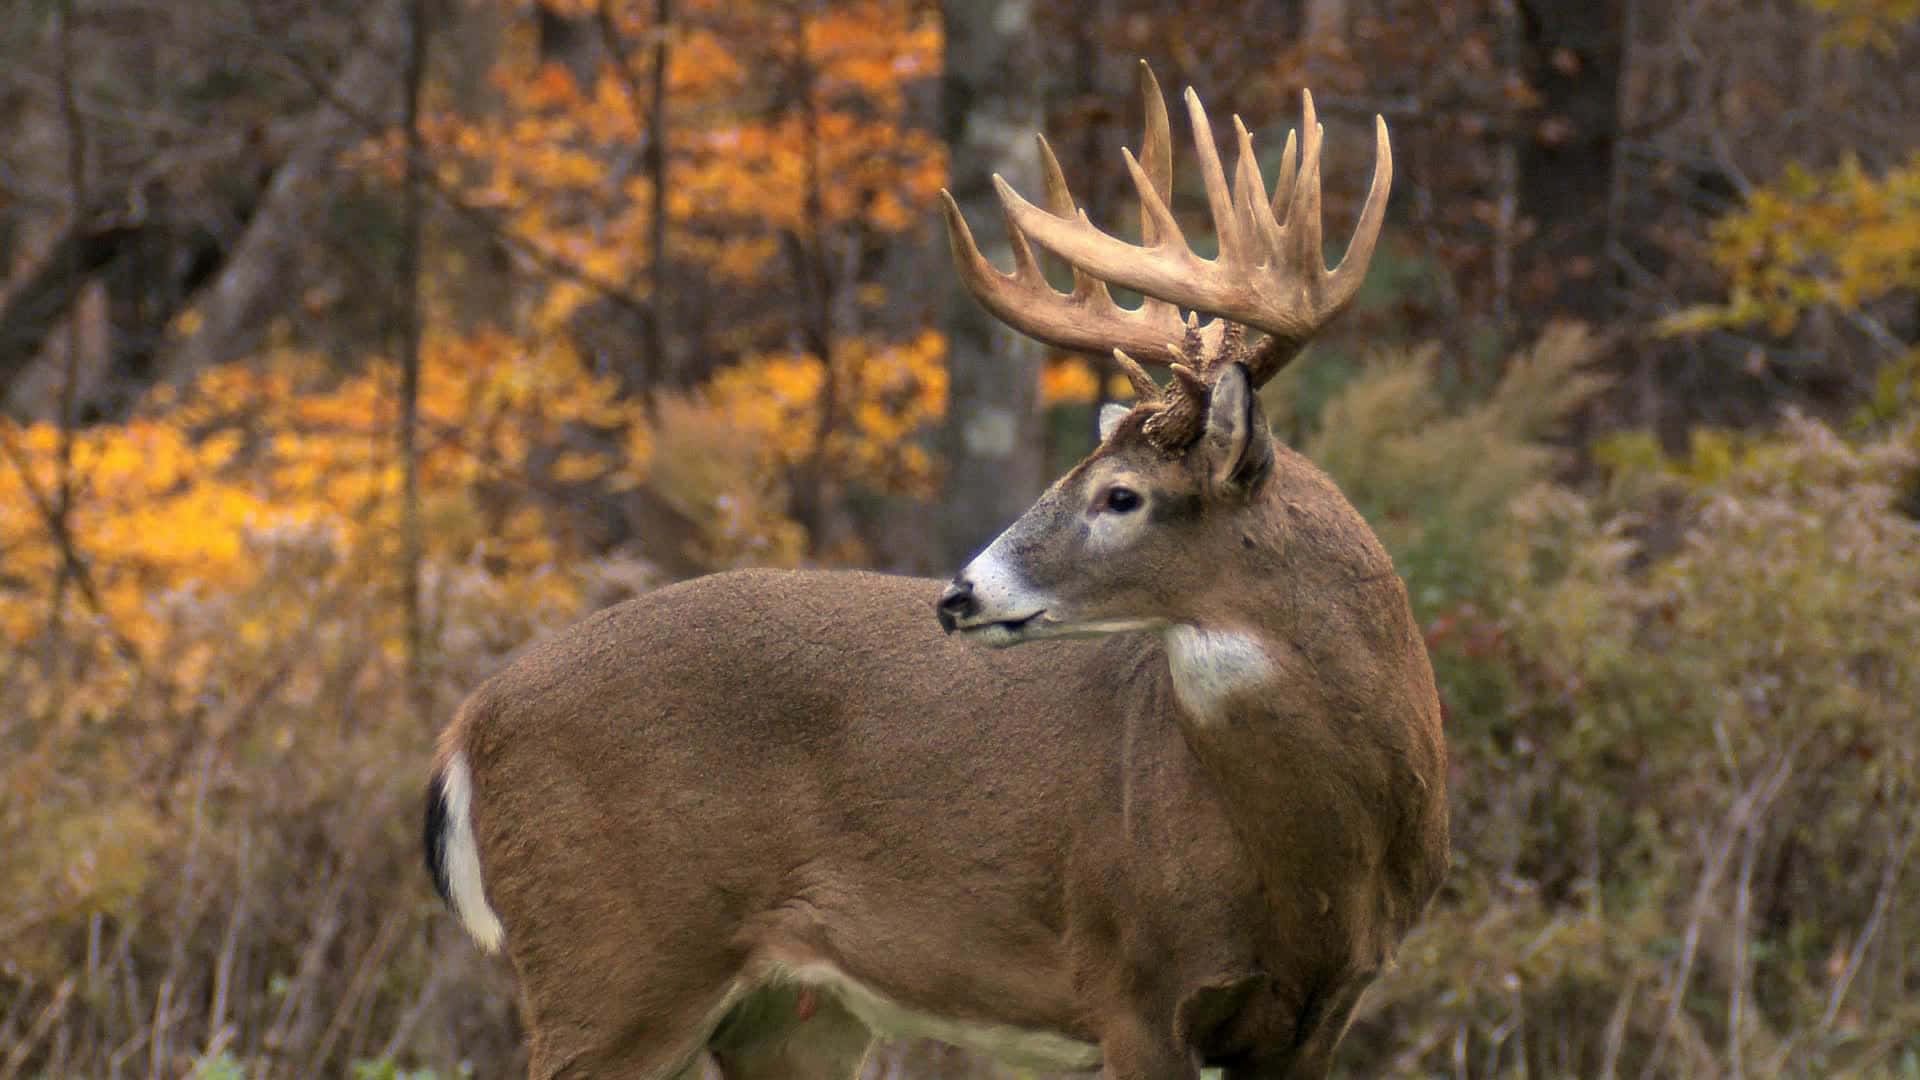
(770, 779)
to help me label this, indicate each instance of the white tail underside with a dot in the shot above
(463, 858)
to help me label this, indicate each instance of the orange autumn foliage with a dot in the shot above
(172, 506)
(224, 584)
(561, 163)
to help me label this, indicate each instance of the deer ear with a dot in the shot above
(1110, 416)
(1239, 447)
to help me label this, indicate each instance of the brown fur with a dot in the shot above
(682, 797)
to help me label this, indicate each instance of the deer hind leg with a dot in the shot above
(1311, 1057)
(1135, 1049)
(604, 1006)
(668, 1048)
(788, 1032)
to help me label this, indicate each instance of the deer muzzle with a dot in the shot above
(956, 603)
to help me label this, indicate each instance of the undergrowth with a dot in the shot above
(1681, 708)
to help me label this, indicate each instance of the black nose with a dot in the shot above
(955, 604)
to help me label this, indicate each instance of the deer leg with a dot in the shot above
(560, 1052)
(791, 1033)
(1312, 1057)
(616, 1015)
(624, 972)
(1135, 1049)
(591, 1014)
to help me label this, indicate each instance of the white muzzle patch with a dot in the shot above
(1001, 592)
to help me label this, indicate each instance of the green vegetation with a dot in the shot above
(1682, 715)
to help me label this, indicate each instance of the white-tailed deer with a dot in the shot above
(768, 815)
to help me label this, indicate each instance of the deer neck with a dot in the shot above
(1288, 735)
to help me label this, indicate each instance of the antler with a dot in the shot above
(1270, 274)
(1087, 319)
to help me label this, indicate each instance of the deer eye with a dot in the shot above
(1121, 500)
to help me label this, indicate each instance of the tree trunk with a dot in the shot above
(49, 291)
(253, 280)
(1324, 21)
(992, 437)
(1573, 55)
(409, 326)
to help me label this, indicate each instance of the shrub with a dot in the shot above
(1684, 848)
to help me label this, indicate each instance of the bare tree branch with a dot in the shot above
(660, 366)
(73, 564)
(70, 365)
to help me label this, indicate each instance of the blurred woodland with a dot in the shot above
(344, 348)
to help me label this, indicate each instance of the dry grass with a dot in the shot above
(1685, 783)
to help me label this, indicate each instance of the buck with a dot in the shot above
(762, 817)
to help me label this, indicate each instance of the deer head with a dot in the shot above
(1184, 485)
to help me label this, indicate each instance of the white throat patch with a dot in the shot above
(1211, 666)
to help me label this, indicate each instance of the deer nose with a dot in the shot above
(955, 604)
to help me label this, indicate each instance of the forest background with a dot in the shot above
(344, 348)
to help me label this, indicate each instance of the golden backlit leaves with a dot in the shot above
(179, 499)
(888, 391)
(1842, 239)
(1838, 240)
(1070, 379)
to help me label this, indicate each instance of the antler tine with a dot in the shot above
(1026, 269)
(1269, 276)
(1087, 319)
(1156, 148)
(1283, 184)
(1060, 201)
(1164, 270)
(1084, 321)
(1153, 209)
(1271, 273)
(1144, 387)
(1059, 196)
(1338, 287)
(975, 272)
(1352, 269)
(1296, 193)
(1250, 194)
(1303, 215)
(1156, 162)
(1226, 219)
